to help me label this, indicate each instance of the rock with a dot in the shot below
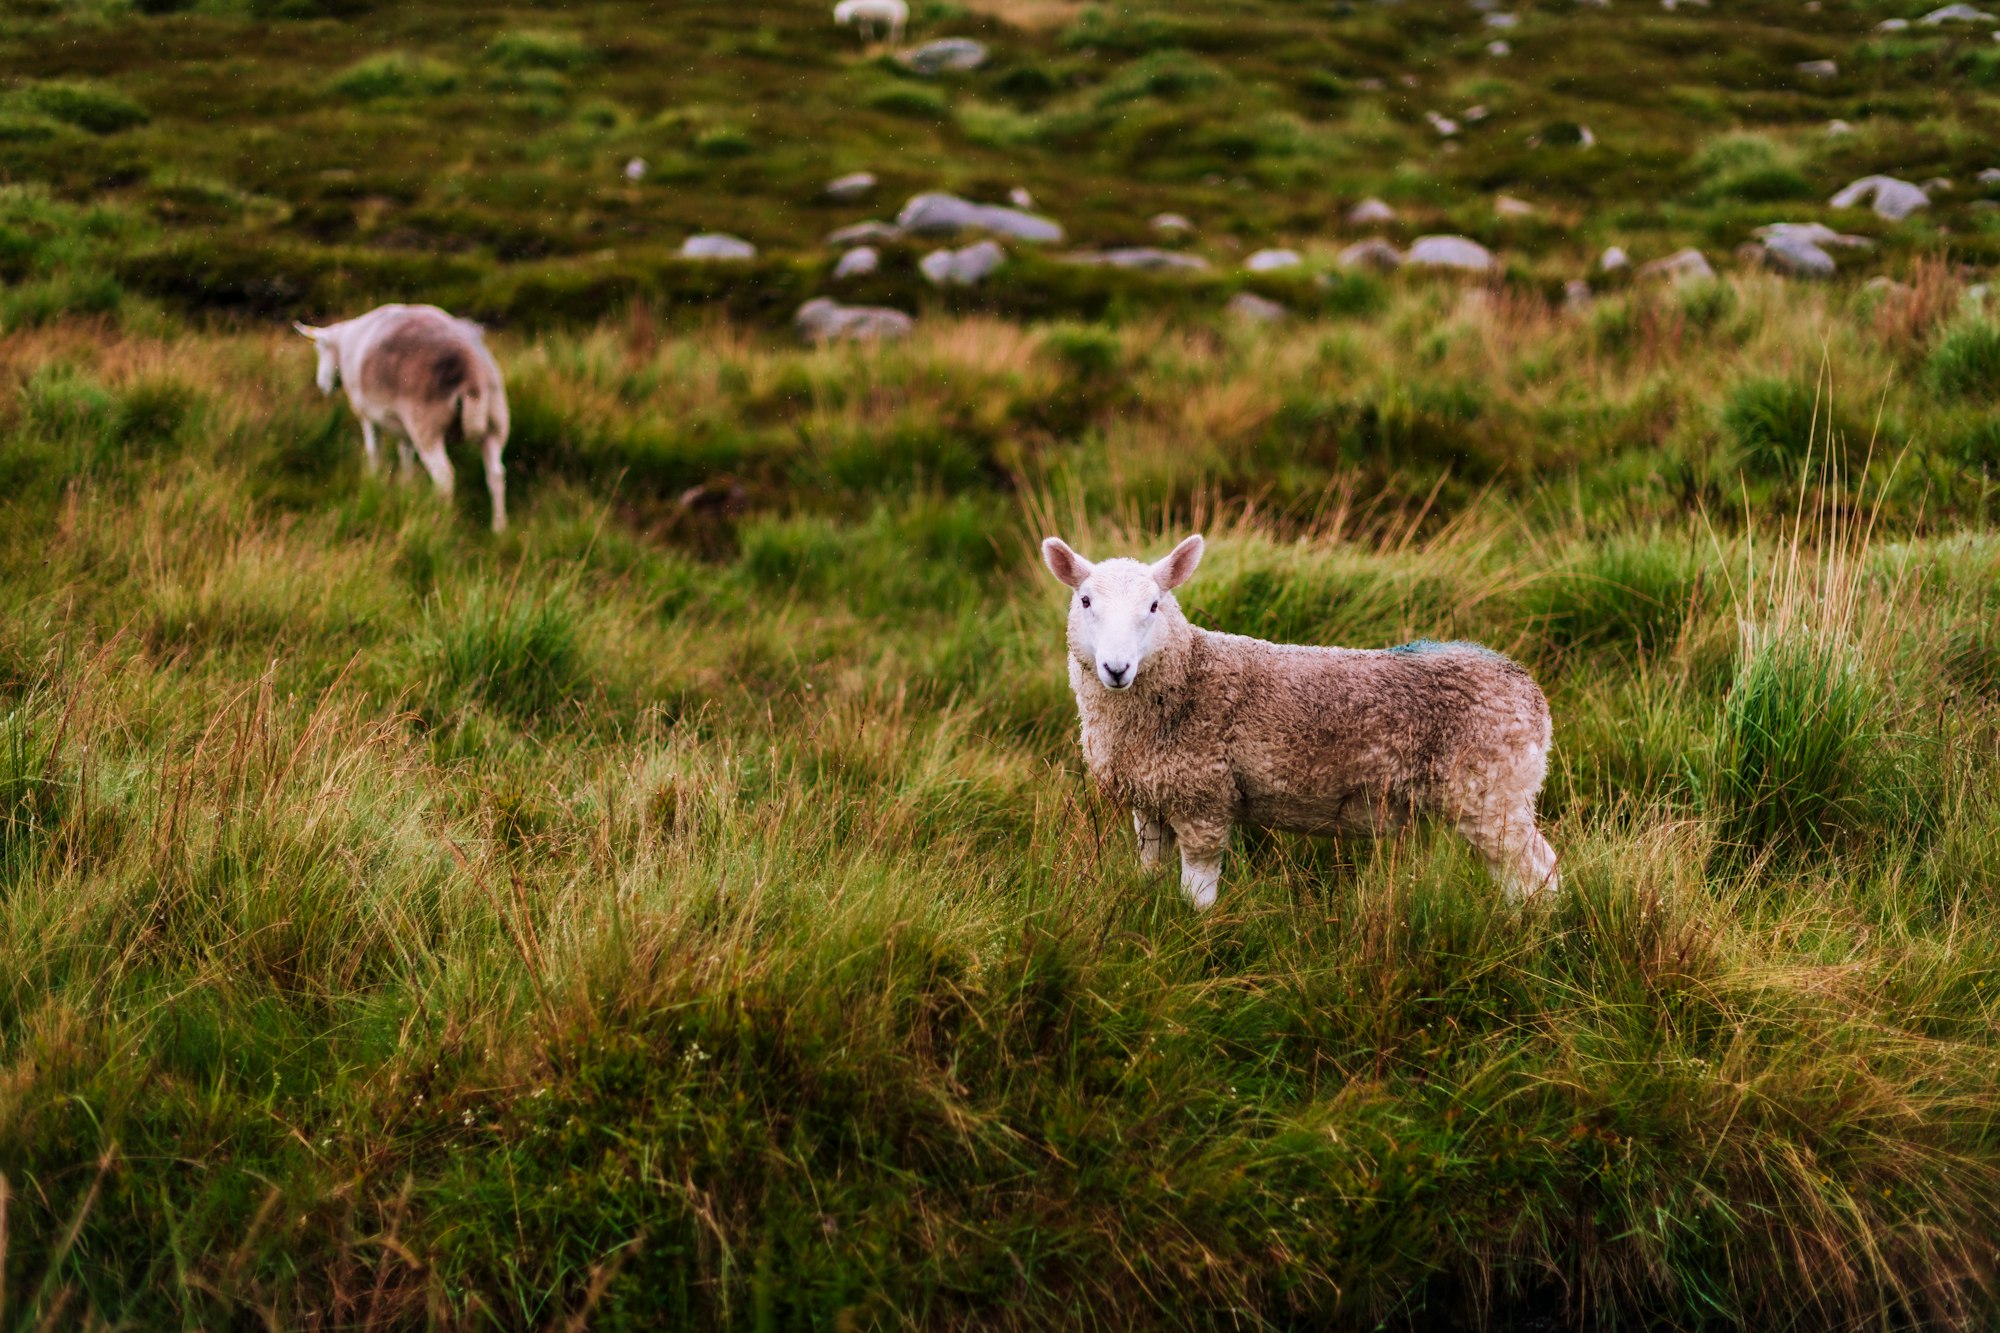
(1818, 69)
(1813, 233)
(1457, 252)
(1380, 256)
(1893, 199)
(1140, 257)
(1790, 253)
(962, 268)
(1680, 266)
(717, 245)
(1613, 260)
(1838, 127)
(1254, 309)
(1584, 138)
(1020, 198)
(1892, 25)
(1170, 224)
(1497, 49)
(635, 170)
(940, 214)
(1957, 14)
(1990, 176)
(1888, 288)
(1444, 125)
(1264, 261)
(864, 233)
(825, 320)
(1370, 211)
(1935, 184)
(854, 185)
(1975, 296)
(1576, 296)
(1502, 21)
(858, 262)
(1474, 114)
(1507, 206)
(948, 55)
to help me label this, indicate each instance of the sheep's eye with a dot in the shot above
(1156, 606)
(1086, 603)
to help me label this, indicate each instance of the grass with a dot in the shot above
(664, 914)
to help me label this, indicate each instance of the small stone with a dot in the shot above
(1140, 257)
(1502, 21)
(949, 55)
(1577, 297)
(846, 189)
(1989, 176)
(1888, 288)
(864, 233)
(1377, 255)
(1835, 128)
(1935, 184)
(717, 245)
(1818, 69)
(1254, 309)
(1457, 252)
(858, 262)
(1892, 25)
(1265, 261)
(1474, 114)
(1790, 253)
(1507, 206)
(824, 320)
(1680, 266)
(1499, 49)
(1957, 14)
(1170, 224)
(1369, 212)
(1814, 233)
(938, 213)
(635, 170)
(962, 268)
(1444, 125)
(1893, 199)
(1613, 260)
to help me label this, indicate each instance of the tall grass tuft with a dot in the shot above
(1966, 361)
(518, 652)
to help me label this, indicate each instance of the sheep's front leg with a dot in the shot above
(1154, 835)
(1201, 861)
(370, 444)
(1516, 854)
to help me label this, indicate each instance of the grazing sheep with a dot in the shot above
(873, 17)
(1197, 731)
(414, 370)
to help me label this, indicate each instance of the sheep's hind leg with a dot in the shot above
(496, 480)
(438, 463)
(1154, 836)
(1516, 854)
(1201, 862)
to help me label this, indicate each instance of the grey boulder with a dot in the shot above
(1685, 265)
(1267, 261)
(717, 245)
(825, 320)
(962, 268)
(1893, 199)
(948, 55)
(858, 262)
(1170, 223)
(1251, 308)
(1370, 211)
(846, 189)
(941, 214)
(1456, 252)
(1139, 257)
(1379, 256)
(864, 233)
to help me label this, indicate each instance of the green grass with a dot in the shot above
(664, 915)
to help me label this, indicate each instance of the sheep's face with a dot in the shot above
(328, 373)
(1120, 611)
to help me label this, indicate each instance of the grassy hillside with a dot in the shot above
(688, 910)
(303, 158)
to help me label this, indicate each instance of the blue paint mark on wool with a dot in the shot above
(1433, 646)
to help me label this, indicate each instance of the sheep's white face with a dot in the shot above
(328, 373)
(1119, 610)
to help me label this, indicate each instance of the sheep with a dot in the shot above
(413, 370)
(873, 16)
(1196, 731)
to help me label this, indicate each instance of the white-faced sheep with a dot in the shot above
(414, 370)
(873, 17)
(1197, 731)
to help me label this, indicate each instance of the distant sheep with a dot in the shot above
(1198, 731)
(874, 17)
(414, 370)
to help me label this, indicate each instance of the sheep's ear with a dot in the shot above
(1064, 563)
(1178, 567)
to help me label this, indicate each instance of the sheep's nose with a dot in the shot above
(1114, 676)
